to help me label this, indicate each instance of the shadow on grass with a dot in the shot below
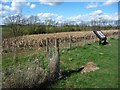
(63, 74)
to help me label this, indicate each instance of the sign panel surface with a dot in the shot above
(101, 34)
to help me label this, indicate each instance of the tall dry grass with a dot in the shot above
(36, 41)
(23, 76)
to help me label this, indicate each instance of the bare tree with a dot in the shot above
(15, 23)
(49, 22)
(33, 21)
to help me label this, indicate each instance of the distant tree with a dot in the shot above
(15, 24)
(33, 22)
(49, 22)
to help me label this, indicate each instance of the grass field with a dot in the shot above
(106, 57)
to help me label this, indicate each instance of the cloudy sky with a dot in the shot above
(61, 10)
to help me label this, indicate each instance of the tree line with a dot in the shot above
(18, 25)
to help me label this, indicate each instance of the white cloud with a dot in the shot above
(39, 14)
(109, 2)
(15, 6)
(50, 2)
(105, 16)
(5, 1)
(96, 4)
(0, 6)
(59, 18)
(6, 8)
(74, 18)
(28, 3)
(92, 5)
(32, 6)
(3, 13)
(0, 13)
(46, 15)
(97, 12)
(95, 15)
(115, 16)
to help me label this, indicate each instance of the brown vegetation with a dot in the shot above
(36, 41)
(89, 66)
(18, 77)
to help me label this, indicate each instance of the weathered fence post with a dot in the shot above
(54, 64)
(47, 46)
(15, 49)
(84, 39)
(57, 56)
(94, 37)
(70, 41)
(91, 38)
(48, 55)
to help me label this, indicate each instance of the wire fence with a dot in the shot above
(44, 52)
(65, 41)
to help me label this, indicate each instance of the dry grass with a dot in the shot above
(36, 41)
(29, 75)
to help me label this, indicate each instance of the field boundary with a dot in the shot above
(37, 41)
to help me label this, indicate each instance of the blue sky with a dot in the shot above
(65, 10)
(70, 9)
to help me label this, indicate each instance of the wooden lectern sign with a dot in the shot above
(101, 37)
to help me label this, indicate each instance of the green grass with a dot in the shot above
(106, 57)
(23, 57)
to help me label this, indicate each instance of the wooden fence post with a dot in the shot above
(47, 45)
(94, 38)
(84, 39)
(15, 49)
(91, 39)
(70, 41)
(48, 56)
(57, 57)
(54, 64)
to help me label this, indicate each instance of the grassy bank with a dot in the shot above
(106, 57)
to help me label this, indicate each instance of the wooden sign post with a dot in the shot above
(101, 37)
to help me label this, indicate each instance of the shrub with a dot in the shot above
(28, 75)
